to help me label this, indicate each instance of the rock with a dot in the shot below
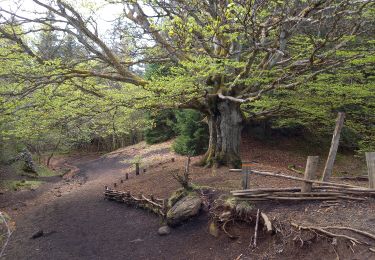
(136, 240)
(184, 209)
(164, 230)
(37, 234)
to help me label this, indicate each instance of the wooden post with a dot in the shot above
(334, 145)
(245, 175)
(164, 210)
(115, 184)
(370, 159)
(122, 181)
(126, 176)
(136, 168)
(310, 172)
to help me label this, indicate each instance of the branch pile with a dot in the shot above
(158, 206)
(331, 193)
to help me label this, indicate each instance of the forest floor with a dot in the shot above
(79, 224)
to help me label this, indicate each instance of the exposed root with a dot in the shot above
(321, 230)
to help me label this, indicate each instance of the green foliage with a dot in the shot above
(21, 185)
(192, 133)
(162, 128)
(314, 106)
(44, 171)
(68, 113)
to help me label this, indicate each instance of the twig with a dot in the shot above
(238, 257)
(256, 229)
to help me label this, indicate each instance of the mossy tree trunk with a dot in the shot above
(225, 121)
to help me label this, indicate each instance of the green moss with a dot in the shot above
(176, 196)
(196, 187)
(44, 171)
(21, 185)
(230, 202)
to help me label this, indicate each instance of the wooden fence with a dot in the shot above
(310, 189)
(158, 206)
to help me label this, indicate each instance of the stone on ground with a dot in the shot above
(184, 209)
(164, 230)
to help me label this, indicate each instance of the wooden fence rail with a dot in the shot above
(158, 206)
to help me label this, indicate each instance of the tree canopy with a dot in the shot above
(230, 59)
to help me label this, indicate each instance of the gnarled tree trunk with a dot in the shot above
(225, 121)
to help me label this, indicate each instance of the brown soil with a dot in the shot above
(80, 224)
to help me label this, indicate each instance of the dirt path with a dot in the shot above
(80, 224)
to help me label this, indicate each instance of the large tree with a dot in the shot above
(221, 55)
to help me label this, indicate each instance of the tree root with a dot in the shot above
(323, 230)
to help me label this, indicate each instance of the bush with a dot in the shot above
(192, 133)
(162, 128)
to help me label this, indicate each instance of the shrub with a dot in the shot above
(192, 133)
(162, 128)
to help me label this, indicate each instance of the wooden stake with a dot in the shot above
(136, 168)
(126, 176)
(245, 178)
(310, 172)
(164, 209)
(370, 159)
(334, 145)
(256, 230)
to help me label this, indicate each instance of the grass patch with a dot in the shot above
(44, 171)
(21, 185)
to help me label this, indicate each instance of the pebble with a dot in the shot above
(164, 230)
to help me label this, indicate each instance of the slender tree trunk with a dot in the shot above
(53, 152)
(225, 125)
